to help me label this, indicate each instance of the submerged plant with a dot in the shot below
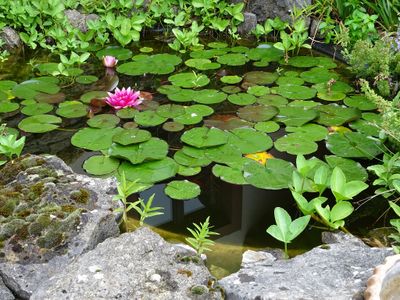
(285, 229)
(124, 98)
(201, 233)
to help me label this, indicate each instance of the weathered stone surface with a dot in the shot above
(269, 9)
(137, 265)
(79, 20)
(11, 39)
(5, 293)
(335, 271)
(249, 23)
(48, 216)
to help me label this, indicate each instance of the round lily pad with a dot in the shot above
(200, 109)
(163, 63)
(353, 145)
(302, 61)
(100, 165)
(274, 100)
(336, 86)
(89, 96)
(295, 144)
(289, 80)
(249, 140)
(173, 126)
(352, 169)
(189, 118)
(257, 113)
(335, 115)
(188, 171)
(233, 59)
(229, 174)
(231, 79)
(258, 90)
(360, 101)
(217, 45)
(37, 109)
(150, 172)
(28, 89)
(39, 123)
(149, 118)
(296, 92)
(189, 80)
(231, 89)
(7, 106)
(146, 49)
(86, 79)
(186, 160)
(72, 109)
(94, 139)
(181, 95)
(266, 52)
(210, 53)
(225, 154)
(209, 96)
(268, 126)
(331, 96)
(131, 136)
(260, 77)
(103, 121)
(202, 64)
(313, 132)
(365, 127)
(202, 137)
(116, 51)
(226, 123)
(242, 99)
(170, 110)
(127, 113)
(296, 116)
(319, 75)
(182, 190)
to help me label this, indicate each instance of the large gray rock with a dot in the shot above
(48, 216)
(11, 39)
(79, 20)
(249, 23)
(337, 271)
(5, 293)
(137, 265)
(269, 9)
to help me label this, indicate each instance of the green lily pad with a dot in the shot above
(189, 118)
(100, 165)
(268, 126)
(313, 132)
(150, 172)
(303, 61)
(230, 89)
(202, 64)
(224, 154)
(289, 80)
(207, 54)
(217, 45)
(6, 85)
(257, 113)
(266, 52)
(188, 171)
(7, 106)
(30, 88)
(296, 92)
(319, 75)
(361, 102)
(233, 59)
(261, 63)
(186, 160)
(39, 123)
(295, 144)
(72, 109)
(331, 96)
(260, 77)
(336, 86)
(326, 62)
(152, 149)
(181, 95)
(209, 96)
(352, 169)
(275, 175)
(227, 124)
(242, 99)
(202, 137)
(182, 190)
(170, 110)
(258, 90)
(117, 52)
(94, 139)
(131, 136)
(366, 127)
(149, 118)
(239, 49)
(335, 115)
(37, 109)
(89, 96)
(229, 174)
(173, 126)
(155, 64)
(127, 113)
(146, 49)
(353, 145)
(103, 121)
(296, 116)
(200, 109)
(86, 79)
(249, 140)
(274, 100)
(304, 103)
(231, 79)
(189, 80)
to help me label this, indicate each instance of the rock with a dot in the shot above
(79, 20)
(269, 9)
(48, 216)
(5, 293)
(338, 270)
(253, 257)
(249, 23)
(11, 39)
(136, 265)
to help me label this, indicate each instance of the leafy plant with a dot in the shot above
(388, 174)
(201, 234)
(185, 39)
(285, 229)
(146, 210)
(396, 224)
(10, 146)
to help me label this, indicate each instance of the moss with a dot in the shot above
(49, 208)
(9, 229)
(23, 232)
(80, 196)
(51, 239)
(7, 207)
(36, 228)
(68, 208)
(199, 289)
(37, 189)
(188, 273)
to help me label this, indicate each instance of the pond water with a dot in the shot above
(256, 102)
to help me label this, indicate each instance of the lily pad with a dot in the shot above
(229, 174)
(149, 118)
(260, 77)
(39, 123)
(302, 61)
(267, 53)
(200, 109)
(295, 144)
(189, 161)
(268, 126)
(361, 102)
(275, 175)
(210, 53)
(257, 113)
(155, 64)
(150, 172)
(209, 96)
(89, 96)
(94, 139)
(233, 59)
(353, 145)
(103, 121)
(313, 132)
(366, 127)
(7, 106)
(336, 86)
(296, 116)
(258, 90)
(28, 89)
(37, 109)
(188, 171)
(335, 115)
(117, 52)
(231, 89)
(72, 109)
(131, 136)
(189, 80)
(170, 110)
(319, 75)
(296, 92)
(86, 79)
(225, 154)
(289, 80)
(242, 99)
(352, 169)
(182, 190)
(173, 126)
(274, 100)
(231, 79)
(331, 96)
(202, 137)
(217, 45)
(249, 140)
(189, 118)
(100, 165)
(181, 95)
(202, 64)
(127, 113)
(226, 122)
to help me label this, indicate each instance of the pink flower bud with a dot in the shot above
(109, 61)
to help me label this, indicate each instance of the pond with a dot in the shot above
(218, 130)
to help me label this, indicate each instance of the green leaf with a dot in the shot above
(182, 190)
(39, 123)
(202, 137)
(103, 121)
(94, 139)
(100, 165)
(341, 210)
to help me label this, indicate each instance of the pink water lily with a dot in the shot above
(109, 61)
(124, 98)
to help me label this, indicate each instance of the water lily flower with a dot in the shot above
(109, 61)
(124, 98)
(260, 157)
